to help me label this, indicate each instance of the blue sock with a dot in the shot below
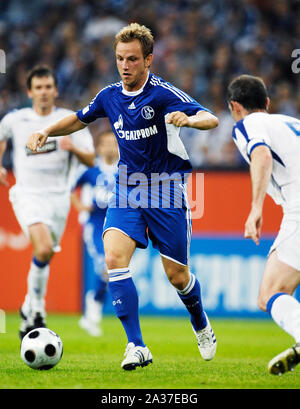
(39, 263)
(271, 300)
(101, 291)
(191, 298)
(125, 301)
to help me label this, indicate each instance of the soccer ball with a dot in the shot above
(41, 348)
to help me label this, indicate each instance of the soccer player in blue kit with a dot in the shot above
(146, 114)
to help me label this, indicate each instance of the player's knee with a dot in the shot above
(265, 295)
(178, 278)
(177, 282)
(44, 252)
(114, 260)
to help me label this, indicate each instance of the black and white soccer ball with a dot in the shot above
(41, 348)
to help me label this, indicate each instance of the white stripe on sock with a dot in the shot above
(117, 274)
(189, 287)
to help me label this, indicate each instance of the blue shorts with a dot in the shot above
(169, 229)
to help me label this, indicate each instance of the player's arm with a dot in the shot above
(84, 156)
(64, 126)
(203, 120)
(3, 172)
(77, 203)
(260, 172)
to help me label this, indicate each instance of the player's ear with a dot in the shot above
(148, 60)
(29, 93)
(268, 103)
(236, 107)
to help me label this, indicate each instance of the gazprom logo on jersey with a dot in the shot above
(135, 134)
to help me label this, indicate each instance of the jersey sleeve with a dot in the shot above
(256, 134)
(177, 100)
(94, 110)
(5, 127)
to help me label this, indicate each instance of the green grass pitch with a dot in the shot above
(244, 349)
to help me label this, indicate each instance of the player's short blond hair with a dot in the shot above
(136, 31)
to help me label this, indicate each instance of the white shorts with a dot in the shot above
(51, 209)
(287, 243)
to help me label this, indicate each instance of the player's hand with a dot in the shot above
(65, 143)
(35, 140)
(178, 118)
(3, 177)
(253, 225)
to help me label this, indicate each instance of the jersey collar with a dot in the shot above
(134, 93)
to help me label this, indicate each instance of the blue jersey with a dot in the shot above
(101, 179)
(147, 144)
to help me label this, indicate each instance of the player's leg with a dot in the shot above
(100, 293)
(33, 309)
(170, 232)
(119, 249)
(97, 279)
(92, 317)
(275, 296)
(94, 300)
(42, 242)
(43, 219)
(189, 291)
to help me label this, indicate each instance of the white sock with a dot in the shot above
(285, 311)
(36, 286)
(93, 308)
(26, 307)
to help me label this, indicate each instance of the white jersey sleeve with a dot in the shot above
(281, 133)
(5, 126)
(257, 134)
(250, 133)
(83, 140)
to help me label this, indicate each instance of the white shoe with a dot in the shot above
(136, 356)
(90, 327)
(207, 342)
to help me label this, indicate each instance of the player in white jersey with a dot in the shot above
(271, 144)
(41, 194)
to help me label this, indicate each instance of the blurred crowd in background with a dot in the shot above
(200, 46)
